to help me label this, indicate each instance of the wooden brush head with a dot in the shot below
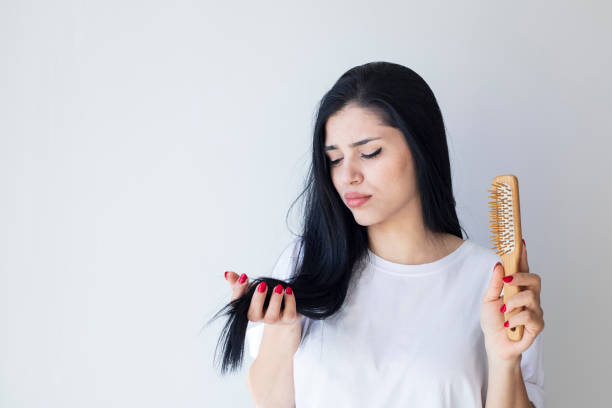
(505, 214)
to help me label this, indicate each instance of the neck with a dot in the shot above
(405, 240)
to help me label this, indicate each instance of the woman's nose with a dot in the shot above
(351, 173)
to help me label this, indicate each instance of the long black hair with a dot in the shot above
(332, 244)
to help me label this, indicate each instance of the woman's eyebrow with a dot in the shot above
(359, 143)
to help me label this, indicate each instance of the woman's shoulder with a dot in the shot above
(482, 253)
(480, 262)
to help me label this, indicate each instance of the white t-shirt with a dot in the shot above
(406, 336)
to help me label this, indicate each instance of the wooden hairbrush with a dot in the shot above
(505, 222)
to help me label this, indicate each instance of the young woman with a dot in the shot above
(380, 302)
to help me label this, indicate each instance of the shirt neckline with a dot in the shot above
(443, 263)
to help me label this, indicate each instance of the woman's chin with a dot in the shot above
(365, 220)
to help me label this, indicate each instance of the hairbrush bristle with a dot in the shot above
(501, 218)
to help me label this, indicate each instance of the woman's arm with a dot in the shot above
(270, 378)
(506, 388)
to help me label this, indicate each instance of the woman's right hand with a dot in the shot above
(288, 318)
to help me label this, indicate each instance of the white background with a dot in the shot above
(146, 147)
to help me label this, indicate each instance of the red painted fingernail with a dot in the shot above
(288, 291)
(503, 308)
(278, 288)
(243, 277)
(499, 263)
(508, 278)
(506, 324)
(524, 242)
(261, 287)
(225, 274)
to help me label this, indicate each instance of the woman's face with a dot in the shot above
(388, 177)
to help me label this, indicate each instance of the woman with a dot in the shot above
(379, 301)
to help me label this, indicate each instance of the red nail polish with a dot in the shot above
(243, 277)
(524, 244)
(503, 308)
(288, 291)
(506, 324)
(508, 278)
(225, 274)
(499, 263)
(261, 287)
(278, 288)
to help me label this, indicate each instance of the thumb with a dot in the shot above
(231, 276)
(496, 284)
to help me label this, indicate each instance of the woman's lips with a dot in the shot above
(356, 202)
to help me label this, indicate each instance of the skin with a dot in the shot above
(393, 214)
(396, 232)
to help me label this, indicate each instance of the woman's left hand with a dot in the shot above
(497, 343)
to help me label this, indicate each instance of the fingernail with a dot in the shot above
(506, 324)
(261, 287)
(243, 277)
(508, 278)
(503, 308)
(289, 291)
(499, 263)
(225, 274)
(524, 244)
(278, 288)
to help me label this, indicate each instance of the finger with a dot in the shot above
(240, 286)
(495, 285)
(531, 281)
(533, 326)
(289, 313)
(523, 264)
(529, 319)
(255, 312)
(525, 298)
(273, 311)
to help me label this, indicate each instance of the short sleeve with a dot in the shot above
(532, 367)
(283, 270)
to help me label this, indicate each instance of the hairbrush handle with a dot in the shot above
(511, 266)
(508, 237)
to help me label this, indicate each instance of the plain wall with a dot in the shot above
(147, 147)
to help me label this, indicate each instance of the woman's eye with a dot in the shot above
(366, 156)
(369, 156)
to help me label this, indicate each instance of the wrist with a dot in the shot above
(504, 363)
(281, 340)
